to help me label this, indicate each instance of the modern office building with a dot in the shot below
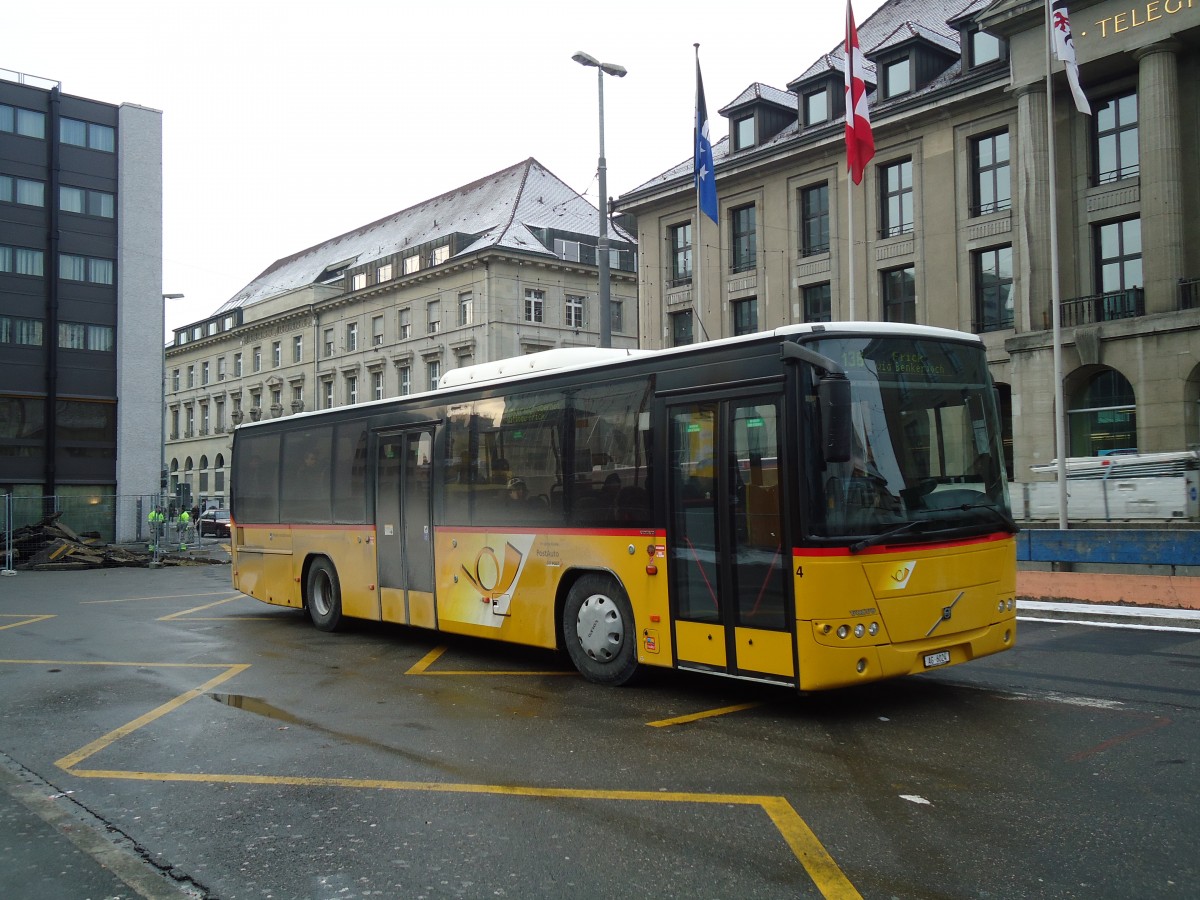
(80, 297)
(500, 267)
(952, 223)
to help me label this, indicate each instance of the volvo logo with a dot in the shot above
(947, 613)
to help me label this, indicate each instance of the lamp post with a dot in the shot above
(160, 527)
(602, 69)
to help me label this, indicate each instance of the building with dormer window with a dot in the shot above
(951, 224)
(501, 267)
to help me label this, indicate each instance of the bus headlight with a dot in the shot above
(859, 630)
(873, 629)
(843, 631)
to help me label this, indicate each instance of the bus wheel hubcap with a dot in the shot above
(321, 595)
(600, 628)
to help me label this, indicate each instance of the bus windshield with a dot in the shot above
(926, 453)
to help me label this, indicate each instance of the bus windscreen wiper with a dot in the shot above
(1010, 524)
(860, 546)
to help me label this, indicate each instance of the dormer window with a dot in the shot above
(984, 48)
(816, 107)
(743, 133)
(897, 78)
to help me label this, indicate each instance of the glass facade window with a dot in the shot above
(745, 316)
(616, 316)
(897, 78)
(433, 316)
(573, 311)
(1116, 139)
(818, 303)
(816, 107)
(814, 219)
(86, 203)
(352, 336)
(25, 122)
(535, 300)
(992, 273)
(85, 268)
(297, 348)
(899, 295)
(433, 372)
(679, 240)
(991, 188)
(984, 48)
(466, 309)
(87, 134)
(21, 261)
(1119, 255)
(276, 354)
(1102, 417)
(22, 191)
(743, 133)
(745, 239)
(681, 328)
(895, 198)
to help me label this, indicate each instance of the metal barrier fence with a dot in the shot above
(34, 522)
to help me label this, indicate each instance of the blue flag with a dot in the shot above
(705, 177)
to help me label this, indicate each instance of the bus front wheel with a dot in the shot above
(323, 595)
(598, 629)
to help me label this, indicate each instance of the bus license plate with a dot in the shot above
(937, 659)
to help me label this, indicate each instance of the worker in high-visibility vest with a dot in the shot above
(184, 519)
(156, 519)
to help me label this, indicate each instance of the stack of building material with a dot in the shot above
(54, 545)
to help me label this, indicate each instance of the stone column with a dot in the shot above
(1160, 154)
(1032, 276)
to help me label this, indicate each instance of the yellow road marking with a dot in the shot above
(74, 759)
(420, 667)
(820, 866)
(157, 597)
(195, 609)
(707, 714)
(428, 660)
(25, 619)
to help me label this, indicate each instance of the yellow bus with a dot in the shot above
(815, 506)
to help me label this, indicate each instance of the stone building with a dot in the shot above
(500, 267)
(951, 225)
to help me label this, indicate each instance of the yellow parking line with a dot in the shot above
(707, 714)
(196, 609)
(820, 866)
(157, 597)
(74, 759)
(25, 619)
(428, 660)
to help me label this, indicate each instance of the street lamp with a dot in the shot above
(160, 528)
(602, 69)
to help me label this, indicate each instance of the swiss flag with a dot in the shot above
(860, 143)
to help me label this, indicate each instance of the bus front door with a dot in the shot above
(404, 527)
(728, 563)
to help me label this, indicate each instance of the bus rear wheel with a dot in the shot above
(598, 629)
(323, 595)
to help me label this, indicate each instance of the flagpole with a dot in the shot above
(1060, 419)
(696, 245)
(850, 236)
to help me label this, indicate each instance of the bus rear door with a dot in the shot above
(404, 526)
(727, 560)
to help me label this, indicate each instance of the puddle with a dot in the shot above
(258, 707)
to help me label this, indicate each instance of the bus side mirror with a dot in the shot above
(833, 397)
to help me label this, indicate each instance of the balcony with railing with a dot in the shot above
(1127, 304)
(1189, 293)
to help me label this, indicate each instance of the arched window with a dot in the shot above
(187, 464)
(220, 463)
(204, 462)
(1102, 416)
(175, 465)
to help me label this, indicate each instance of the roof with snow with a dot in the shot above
(500, 211)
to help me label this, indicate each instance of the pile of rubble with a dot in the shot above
(52, 545)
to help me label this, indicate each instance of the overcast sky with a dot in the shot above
(289, 123)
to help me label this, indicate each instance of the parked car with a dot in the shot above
(214, 522)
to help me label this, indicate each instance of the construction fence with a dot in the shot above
(27, 524)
